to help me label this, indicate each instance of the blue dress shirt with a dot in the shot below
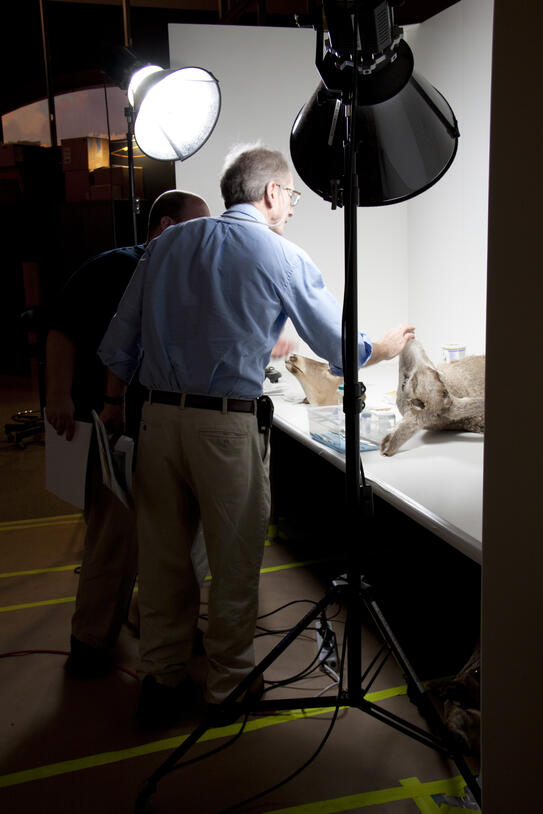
(207, 303)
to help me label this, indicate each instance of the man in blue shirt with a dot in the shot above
(75, 387)
(201, 314)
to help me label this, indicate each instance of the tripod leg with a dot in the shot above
(149, 786)
(417, 692)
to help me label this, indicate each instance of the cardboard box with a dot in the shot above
(105, 192)
(10, 154)
(26, 152)
(86, 153)
(77, 185)
(119, 175)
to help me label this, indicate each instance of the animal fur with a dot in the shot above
(318, 382)
(460, 706)
(447, 397)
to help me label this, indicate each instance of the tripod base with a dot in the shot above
(438, 739)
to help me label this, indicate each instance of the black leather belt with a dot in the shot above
(202, 402)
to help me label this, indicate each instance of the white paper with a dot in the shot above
(66, 462)
(116, 462)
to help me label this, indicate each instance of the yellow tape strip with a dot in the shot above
(445, 809)
(287, 565)
(72, 598)
(104, 758)
(39, 571)
(420, 796)
(39, 522)
(453, 786)
(43, 602)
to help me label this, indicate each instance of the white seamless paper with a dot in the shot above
(66, 462)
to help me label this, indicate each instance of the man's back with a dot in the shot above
(214, 295)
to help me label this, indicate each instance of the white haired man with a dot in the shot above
(203, 311)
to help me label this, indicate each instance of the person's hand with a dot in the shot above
(60, 414)
(113, 417)
(393, 342)
(283, 347)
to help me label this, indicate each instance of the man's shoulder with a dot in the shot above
(292, 251)
(126, 254)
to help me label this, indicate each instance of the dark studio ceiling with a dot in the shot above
(78, 30)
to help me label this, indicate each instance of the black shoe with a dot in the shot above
(226, 714)
(160, 706)
(89, 662)
(198, 648)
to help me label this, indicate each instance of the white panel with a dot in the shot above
(447, 225)
(266, 75)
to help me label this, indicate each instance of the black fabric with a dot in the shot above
(83, 311)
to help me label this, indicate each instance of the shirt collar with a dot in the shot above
(248, 211)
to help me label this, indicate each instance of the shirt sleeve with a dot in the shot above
(120, 348)
(317, 315)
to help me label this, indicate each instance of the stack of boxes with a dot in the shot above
(28, 172)
(88, 175)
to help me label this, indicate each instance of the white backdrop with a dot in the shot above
(424, 260)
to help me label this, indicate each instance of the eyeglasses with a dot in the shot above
(293, 194)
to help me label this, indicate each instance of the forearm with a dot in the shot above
(59, 364)
(378, 354)
(115, 387)
(60, 355)
(391, 344)
(113, 411)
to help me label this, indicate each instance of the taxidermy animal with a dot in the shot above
(460, 705)
(447, 397)
(318, 382)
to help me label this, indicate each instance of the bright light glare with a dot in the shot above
(178, 114)
(138, 78)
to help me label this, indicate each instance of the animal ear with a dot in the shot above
(414, 356)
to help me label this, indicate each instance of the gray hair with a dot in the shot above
(247, 170)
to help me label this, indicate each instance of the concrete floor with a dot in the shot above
(71, 747)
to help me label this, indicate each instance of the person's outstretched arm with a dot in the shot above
(59, 364)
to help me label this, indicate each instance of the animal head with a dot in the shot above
(421, 386)
(318, 382)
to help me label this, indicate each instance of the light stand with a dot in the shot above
(351, 591)
(133, 201)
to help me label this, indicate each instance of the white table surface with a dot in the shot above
(436, 477)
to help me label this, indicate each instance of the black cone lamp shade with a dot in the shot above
(407, 137)
(175, 110)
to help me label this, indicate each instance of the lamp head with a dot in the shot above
(406, 134)
(175, 110)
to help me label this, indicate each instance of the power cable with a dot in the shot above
(310, 760)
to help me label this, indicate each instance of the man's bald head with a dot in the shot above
(174, 206)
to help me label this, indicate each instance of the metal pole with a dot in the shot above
(126, 23)
(47, 66)
(129, 113)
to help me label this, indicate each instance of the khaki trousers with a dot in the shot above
(197, 464)
(108, 569)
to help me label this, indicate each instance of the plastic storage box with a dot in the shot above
(327, 425)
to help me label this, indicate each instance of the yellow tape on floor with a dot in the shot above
(105, 758)
(42, 603)
(287, 565)
(40, 522)
(39, 571)
(411, 789)
(72, 598)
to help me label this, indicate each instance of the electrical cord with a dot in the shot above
(310, 760)
(286, 605)
(216, 750)
(284, 682)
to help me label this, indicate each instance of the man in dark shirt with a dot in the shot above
(75, 387)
